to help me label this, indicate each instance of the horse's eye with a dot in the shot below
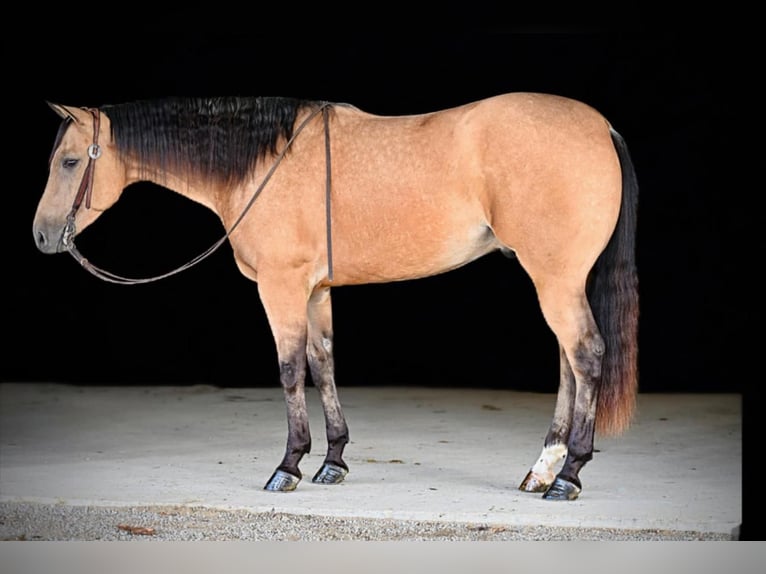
(69, 163)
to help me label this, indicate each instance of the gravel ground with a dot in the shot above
(46, 522)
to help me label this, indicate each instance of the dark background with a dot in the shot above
(679, 87)
(673, 94)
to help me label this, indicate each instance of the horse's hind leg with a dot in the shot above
(541, 475)
(321, 363)
(569, 316)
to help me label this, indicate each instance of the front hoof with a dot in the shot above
(562, 490)
(330, 474)
(282, 481)
(533, 483)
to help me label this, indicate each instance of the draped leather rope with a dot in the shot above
(86, 188)
(328, 187)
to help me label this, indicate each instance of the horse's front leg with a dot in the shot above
(287, 317)
(321, 363)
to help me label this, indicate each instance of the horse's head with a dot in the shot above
(86, 176)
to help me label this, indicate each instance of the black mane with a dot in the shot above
(220, 138)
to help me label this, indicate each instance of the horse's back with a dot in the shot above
(523, 171)
(496, 147)
(417, 195)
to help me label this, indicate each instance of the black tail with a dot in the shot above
(613, 295)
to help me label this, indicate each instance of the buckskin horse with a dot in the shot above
(346, 197)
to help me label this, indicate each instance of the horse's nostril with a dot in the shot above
(41, 240)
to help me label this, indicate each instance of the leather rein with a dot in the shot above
(84, 192)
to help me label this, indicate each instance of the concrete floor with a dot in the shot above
(415, 453)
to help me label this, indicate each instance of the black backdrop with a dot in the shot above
(673, 96)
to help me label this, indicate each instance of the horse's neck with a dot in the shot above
(199, 191)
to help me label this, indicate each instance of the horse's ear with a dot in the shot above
(64, 112)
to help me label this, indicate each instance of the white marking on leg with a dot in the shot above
(551, 455)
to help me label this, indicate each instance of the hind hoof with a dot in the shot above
(533, 483)
(282, 481)
(330, 474)
(562, 490)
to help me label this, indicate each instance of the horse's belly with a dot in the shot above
(420, 251)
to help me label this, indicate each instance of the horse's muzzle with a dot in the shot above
(49, 239)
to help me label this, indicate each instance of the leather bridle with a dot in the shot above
(85, 191)
(86, 183)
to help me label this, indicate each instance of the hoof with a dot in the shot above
(533, 483)
(282, 481)
(330, 474)
(562, 490)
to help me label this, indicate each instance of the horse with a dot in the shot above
(348, 197)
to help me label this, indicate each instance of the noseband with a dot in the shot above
(86, 184)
